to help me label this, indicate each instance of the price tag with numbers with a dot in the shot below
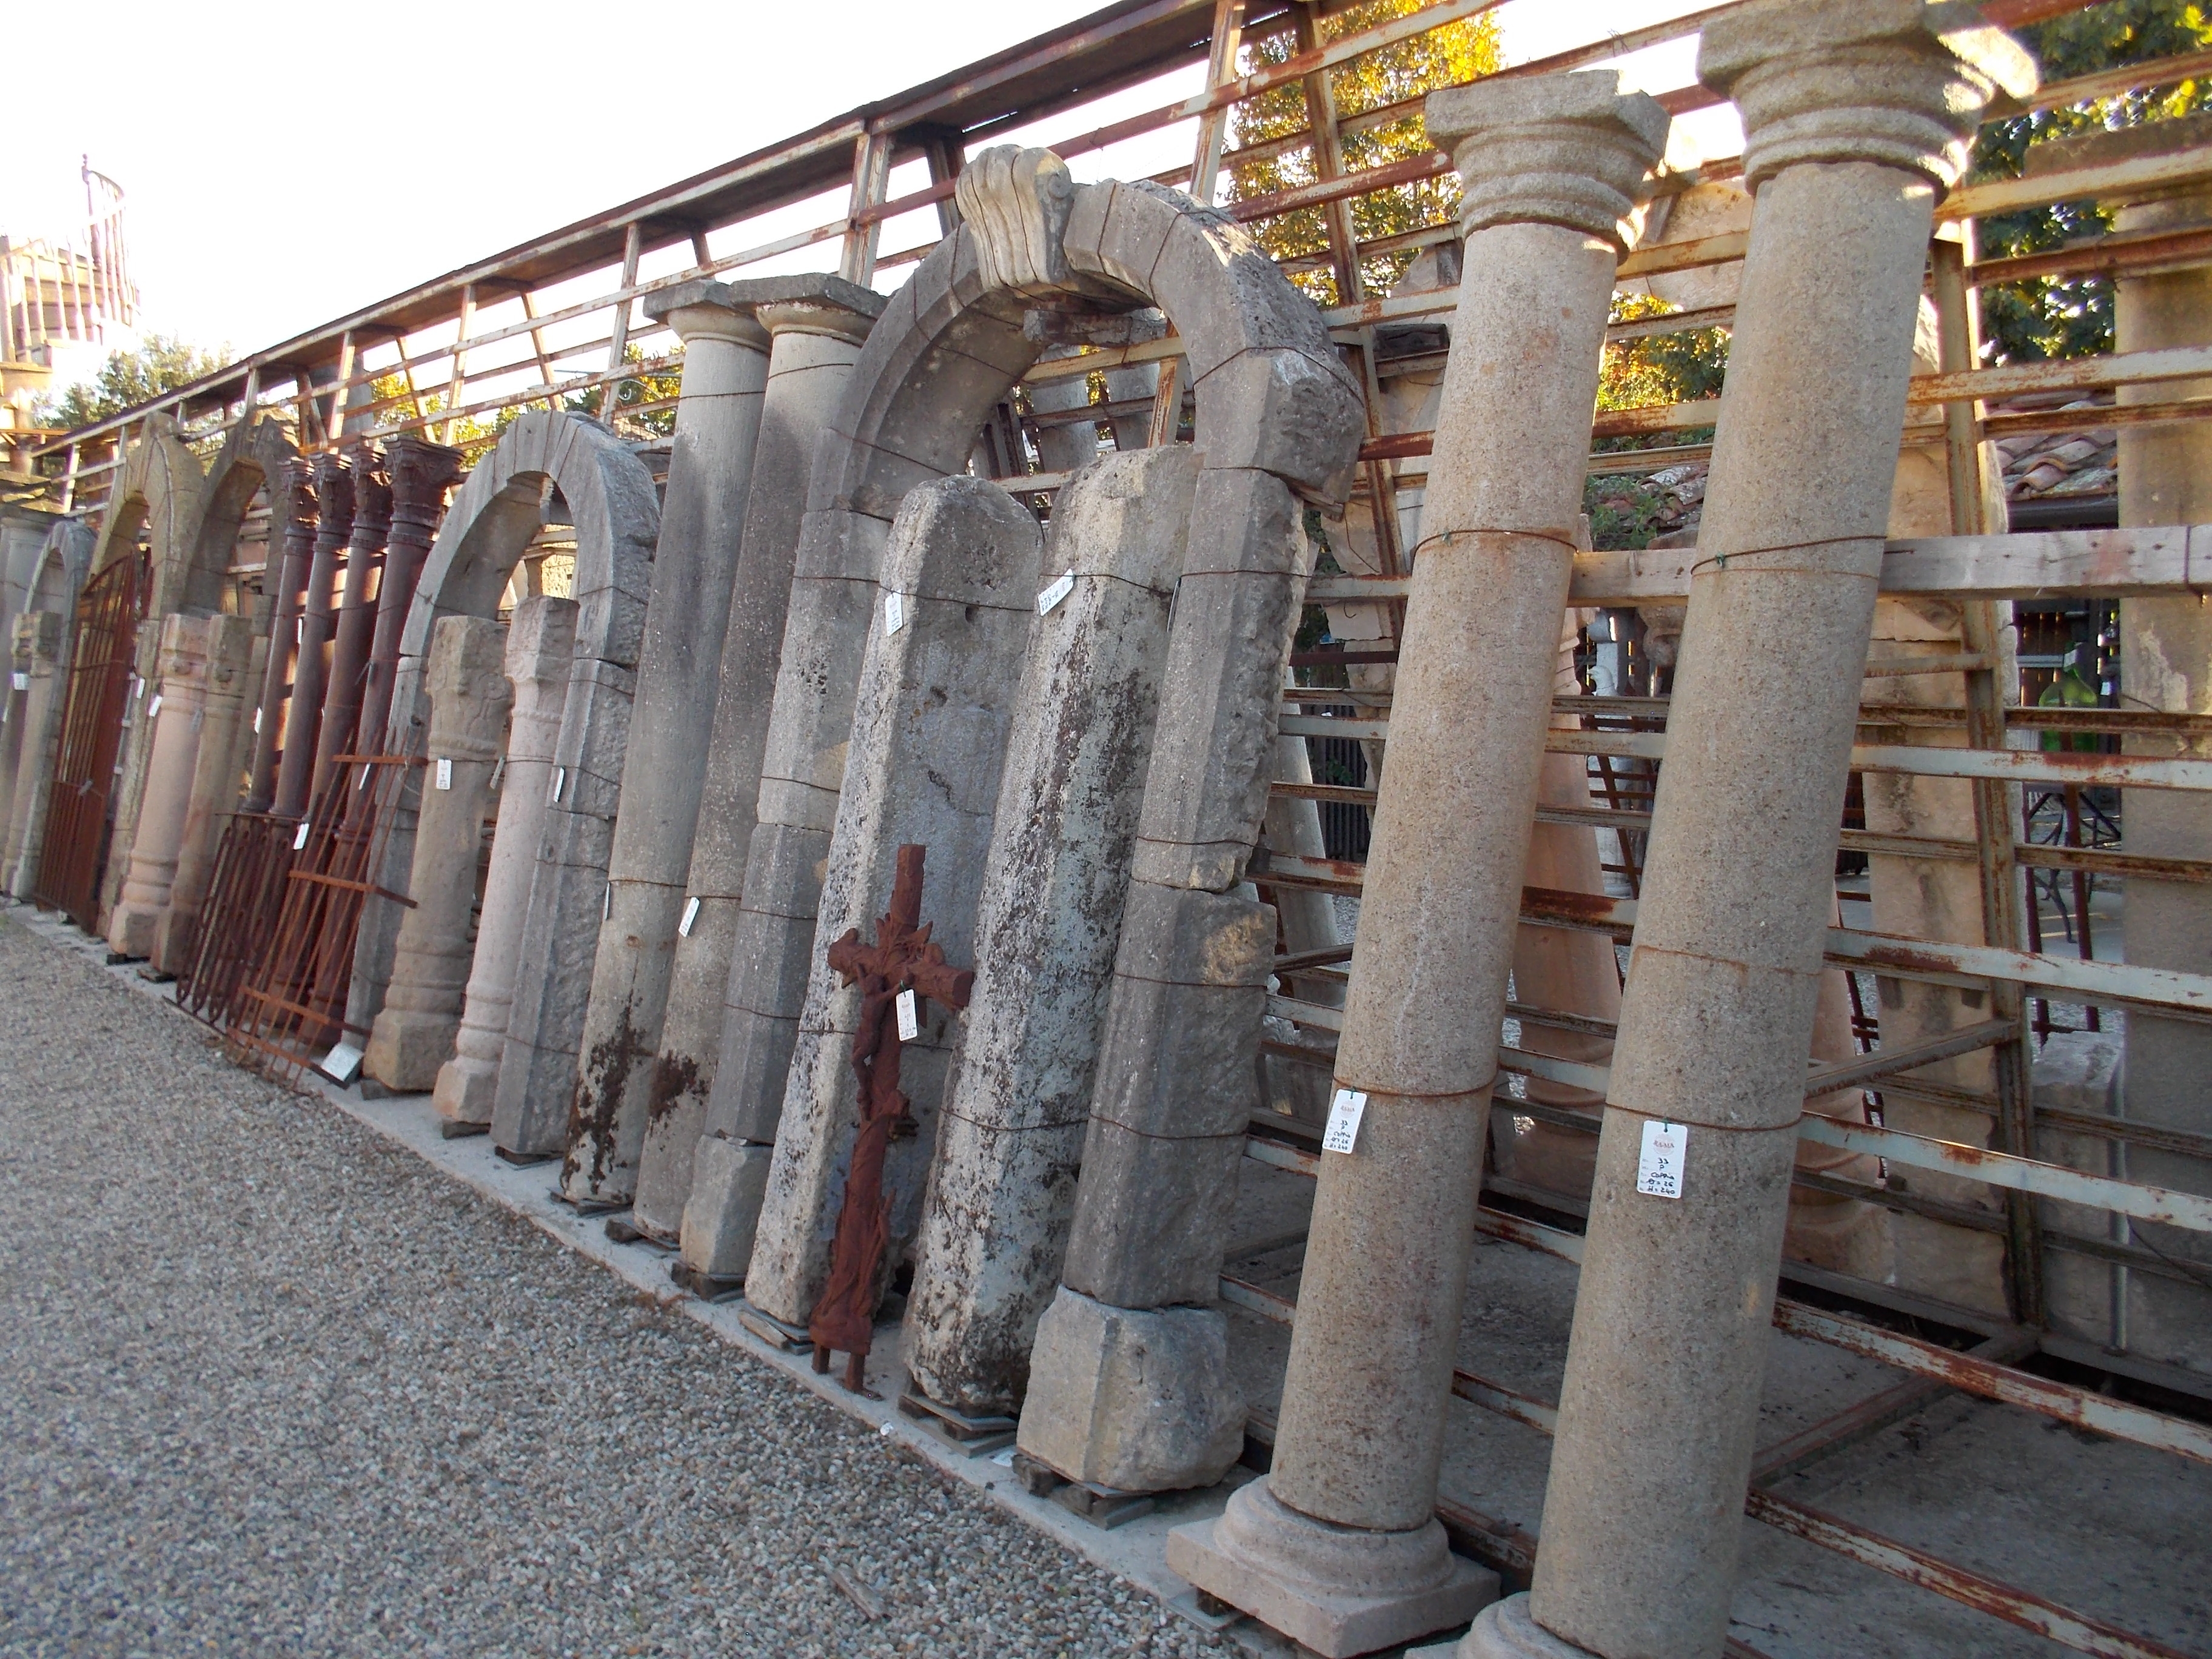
(690, 915)
(1659, 1165)
(445, 771)
(1344, 1115)
(1053, 595)
(909, 1017)
(299, 839)
(894, 612)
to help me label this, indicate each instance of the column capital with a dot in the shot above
(1570, 150)
(707, 311)
(1900, 83)
(372, 498)
(334, 495)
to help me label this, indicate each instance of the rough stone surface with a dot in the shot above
(1156, 1406)
(180, 681)
(1002, 1191)
(219, 761)
(359, 1410)
(931, 719)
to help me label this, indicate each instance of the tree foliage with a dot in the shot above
(161, 363)
(2072, 316)
(1450, 56)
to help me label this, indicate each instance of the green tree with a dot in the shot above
(1447, 57)
(2072, 316)
(127, 379)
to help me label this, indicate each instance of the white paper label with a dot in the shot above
(137, 688)
(153, 706)
(1053, 595)
(20, 680)
(498, 772)
(361, 783)
(894, 612)
(300, 838)
(341, 1063)
(299, 630)
(445, 771)
(1659, 1167)
(690, 915)
(256, 722)
(1344, 1115)
(560, 781)
(607, 903)
(909, 1018)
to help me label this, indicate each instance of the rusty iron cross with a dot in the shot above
(901, 959)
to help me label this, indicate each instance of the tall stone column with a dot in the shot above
(1857, 116)
(421, 473)
(13, 697)
(413, 1036)
(181, 682)
(1339, 1547)
(718, 417)
(356, 625)
(214, 793)
(817, 325)
(541, 645)
(303, 720)
(37, 652)
(293, 511)
(931, 717)
(1002, 1190)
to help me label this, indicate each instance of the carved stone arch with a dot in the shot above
(159, 492)
(251, 461)
(612, 502)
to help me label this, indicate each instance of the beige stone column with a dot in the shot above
(1857, 116)
(1339, 1547)
(180, 684)
(541, 644)
(14, 697)
(216, 776)
(414, 1032)
(36, 655)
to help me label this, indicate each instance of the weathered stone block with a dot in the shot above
(1155, 1213)
(728, 1178)
(1299, 417)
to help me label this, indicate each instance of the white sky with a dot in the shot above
(266, 194)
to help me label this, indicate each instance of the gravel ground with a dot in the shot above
(271, 1385)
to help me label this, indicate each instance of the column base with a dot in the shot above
(1137, 1400)
(130, 930)
(407, 1050)
(729, 1182)
(1338, 1590)
(1505, 1630)
(466, 1090)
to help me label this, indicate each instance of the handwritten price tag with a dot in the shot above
(1053, 595)
(1659, 1166)
(445, 772)
(909, 1017)
(690, 915)
(894, 612)
(1344, 1115)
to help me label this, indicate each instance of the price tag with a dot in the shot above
(341, 1065)
(361, 783)
(299, 629)
(560, 781)
(909, 1018)
(498, 772)
(894, 612)
(153, 706)
(1659, 1166)
(607, 903)
(137, 688)
(299, 839)
(1053, 595)
(20, 680)
(256, 722)
(445, 771)
(1345, 1112)
(690, 915)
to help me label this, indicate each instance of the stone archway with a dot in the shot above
(610, 499)
(50, 589)
(1279, 424)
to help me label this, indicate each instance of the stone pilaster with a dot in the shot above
(1858, 117)
(1339, 1547)
(817, 326)
(413, 1033)
(35, 651)
(541, 646)
(214, 794)
(181, 682)
(718, 417)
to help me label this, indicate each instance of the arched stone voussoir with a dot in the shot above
(251, 460)
(158, 491)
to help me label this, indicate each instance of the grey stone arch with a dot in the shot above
(1279, 424)
(545, 468)
(51, 584)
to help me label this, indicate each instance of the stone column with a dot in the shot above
(180, 682)
(37, 651)
(421, 473)
(214, 793)
(414, 1032)
(817, 325)
(931, 717)
(303, 721)
(1339, 1547)
(541, 644)
(356, 625)
(718, 416)
(1002, 1192)
(1857, 116)
(292, 511)
(12, 702)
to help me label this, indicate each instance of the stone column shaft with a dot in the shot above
(292, 509)
(38, 648)
(1338, 1546)
(718, 416)
(181, 682)
(541, 644)
(816, 328)
(414, 1032)
(1857, 114)
(421, 473)
(355, 624)
(214, 790)
(303, 720)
